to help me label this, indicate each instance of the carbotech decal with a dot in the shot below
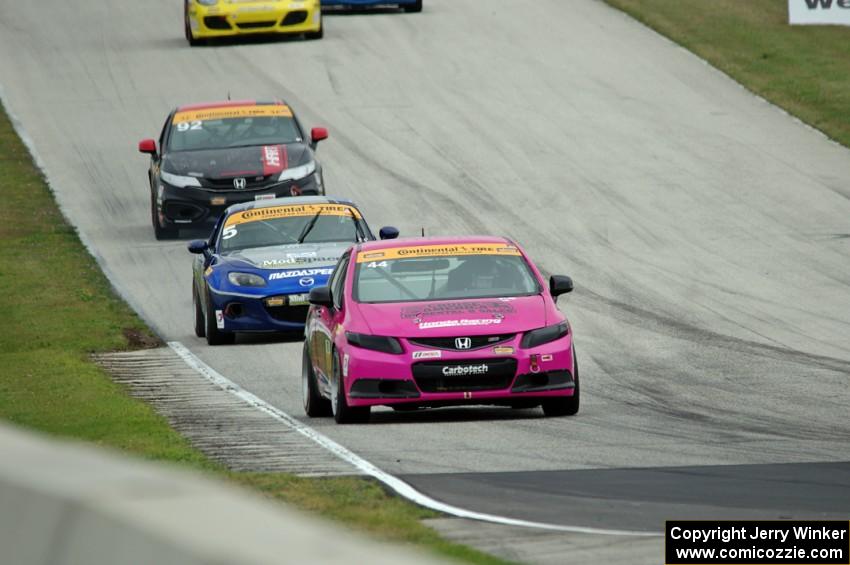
(459, 323)
(265, 110)
(274, 159)
(439, 251)
(301, 273)
(292, 211)
(447, 308)
(465, 370)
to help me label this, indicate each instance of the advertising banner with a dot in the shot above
(819, 12)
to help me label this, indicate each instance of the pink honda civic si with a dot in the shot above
(428, 322)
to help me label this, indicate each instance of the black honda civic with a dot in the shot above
(210, 156)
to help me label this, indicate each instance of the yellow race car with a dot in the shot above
(205, 19)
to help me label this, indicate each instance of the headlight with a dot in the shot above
(544, 335)
(246, 279)
(178, 180)
(375, 342)
(298, 173)
(207, 2)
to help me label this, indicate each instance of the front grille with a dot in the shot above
(216, 22)
(254, 25)
(463, 376)
(294, 314)
(478, 341)
(251, 183)
(294, 18)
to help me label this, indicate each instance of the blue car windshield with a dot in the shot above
(286, 225)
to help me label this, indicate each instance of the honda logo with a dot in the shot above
(463, 342)
(239, 183)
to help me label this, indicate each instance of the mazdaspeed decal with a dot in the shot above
(439, 251)
(292, 211)
(301, 273)
(265, 110)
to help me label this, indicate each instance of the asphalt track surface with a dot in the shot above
(708, 234)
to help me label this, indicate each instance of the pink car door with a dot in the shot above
(327, 322)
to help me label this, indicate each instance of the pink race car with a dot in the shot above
(427, 322)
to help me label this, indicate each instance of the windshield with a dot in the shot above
(235, 126)
(285, 225)
(410, 274)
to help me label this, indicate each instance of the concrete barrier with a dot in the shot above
(68, 503)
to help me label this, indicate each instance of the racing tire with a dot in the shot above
(200, 323)
(565, 405)
(415, 7)
(343, 413)
(315, 405)
(160, 232)
(312, 35)
(187, 30)
(214, 335)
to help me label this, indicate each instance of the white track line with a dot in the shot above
(367, 468)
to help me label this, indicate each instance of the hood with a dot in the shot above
(286, 268)
(449, 318)
(227, 163)
(290, 257)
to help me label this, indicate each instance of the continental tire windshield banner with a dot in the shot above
(450, 250)
(819, 12)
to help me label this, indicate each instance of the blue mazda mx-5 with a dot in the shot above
(255, 272)
(406, 5)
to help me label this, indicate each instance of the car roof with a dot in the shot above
(288, 201)
(227, 104)
(445, 240)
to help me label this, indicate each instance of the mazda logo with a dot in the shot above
(239, 183)
(306, 281)
(463, 342)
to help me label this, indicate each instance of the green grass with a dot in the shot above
(803, 69)
(59, 309)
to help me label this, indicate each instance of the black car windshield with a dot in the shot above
(442, 272)
(285, 225)
(237, 126)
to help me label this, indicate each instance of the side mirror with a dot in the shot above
(198, 246)
(321, 296)
(147, 146)
(318, 134)
(560, 284)
(388, 232)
